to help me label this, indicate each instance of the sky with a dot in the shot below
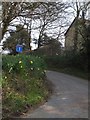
(35, 32)
(43, 0)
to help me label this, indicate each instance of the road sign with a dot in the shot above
(19, 48)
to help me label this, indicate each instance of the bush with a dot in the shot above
(77, 61)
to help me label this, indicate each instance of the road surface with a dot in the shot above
(69, 100)
(0, 102)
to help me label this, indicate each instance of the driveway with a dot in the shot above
(69, 100)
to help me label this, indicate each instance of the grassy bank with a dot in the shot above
(24, 84)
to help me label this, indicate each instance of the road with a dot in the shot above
(0, 102)
(69, 100)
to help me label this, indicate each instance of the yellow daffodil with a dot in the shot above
(21, 66)
(20, 62)
(5, 77)
(31, 62)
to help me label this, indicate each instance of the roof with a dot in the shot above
(70, 26)
(87, 21)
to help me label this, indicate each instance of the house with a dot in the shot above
(0, 33)
(75, 34)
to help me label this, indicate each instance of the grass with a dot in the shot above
(23, 97)
(24, 84)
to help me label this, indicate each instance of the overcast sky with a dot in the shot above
(35, 34)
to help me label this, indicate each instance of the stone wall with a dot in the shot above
(0, 33)
(69, 38)
(70, 35)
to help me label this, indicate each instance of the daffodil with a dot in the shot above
(31, 62)
(5, 77)
(21, 66)
(20, 62)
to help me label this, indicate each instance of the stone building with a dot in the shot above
(75, 34)
(0, 33)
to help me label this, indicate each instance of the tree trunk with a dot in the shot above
(39, 41)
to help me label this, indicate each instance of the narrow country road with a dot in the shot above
(0, 102)
(69, 100)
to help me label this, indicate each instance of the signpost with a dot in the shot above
(19, 48)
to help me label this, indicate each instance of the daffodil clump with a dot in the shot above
(24, 64)
(22, 82)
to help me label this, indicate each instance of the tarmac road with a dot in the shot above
(0, 103)
(69, 100)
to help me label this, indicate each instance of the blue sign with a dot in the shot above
(19, 48)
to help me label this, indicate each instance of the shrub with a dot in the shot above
(77, 61)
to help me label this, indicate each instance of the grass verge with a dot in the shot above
(17, 100)
(23, 84)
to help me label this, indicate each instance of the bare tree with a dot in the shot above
(48, 14)
(17, 10)
(10, 11)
